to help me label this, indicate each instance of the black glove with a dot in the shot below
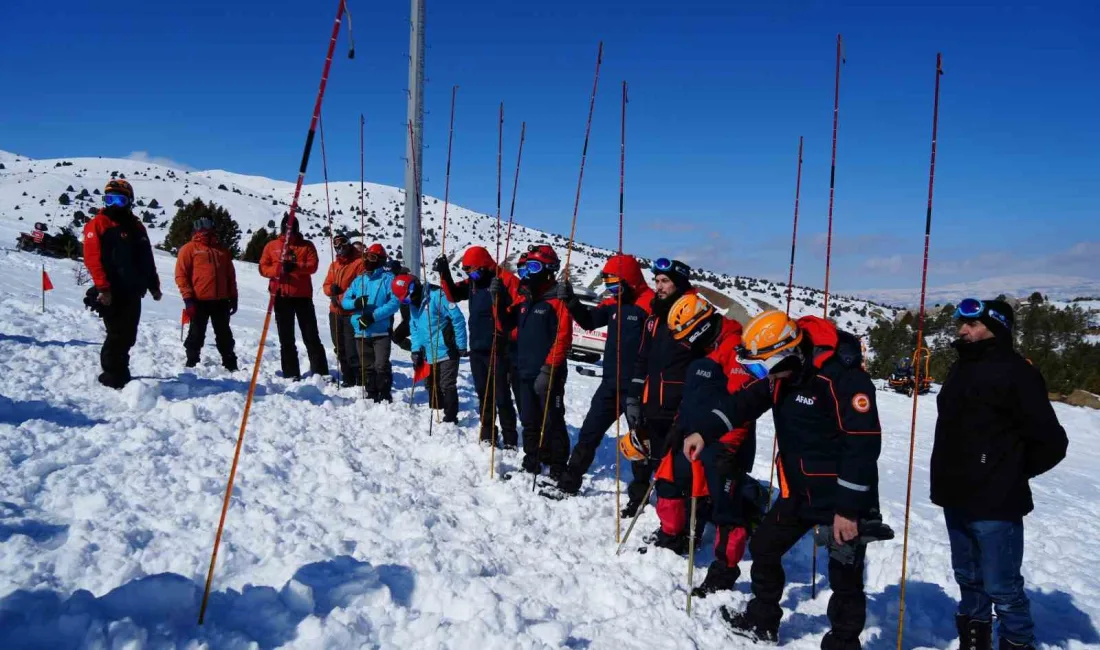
(565, 292)
(542, 382)
(871, 529)
(418, 358)
(289, 265)
(335, 290)
(454, 354)
(441, 265)
(232, 305)
(361, 303)
(496, 287)
(633, 411)
(404, 343)
(366, 320)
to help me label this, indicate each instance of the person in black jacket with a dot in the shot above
(658, 378)
(120, 260)
(996, 430)
(810, 376)
(624, 280)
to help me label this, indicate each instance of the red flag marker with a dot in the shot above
(46, 284)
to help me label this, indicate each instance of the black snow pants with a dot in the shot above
(601, 416)
(121, 319)
(216, 312)
(347, 353)
(502, 385)
(554, 450)
(302, 309)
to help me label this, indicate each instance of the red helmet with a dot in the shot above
(477, 257)
(377, 251)
(403, 287)
(544, 253)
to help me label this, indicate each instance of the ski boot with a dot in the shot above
(743, 625)
(678, 544)
(832, 642)
(632, 505)
(531, 464)
(569, 483)
(719, 578)
(230, 364)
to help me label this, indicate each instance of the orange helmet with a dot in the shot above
(767, 340)
(119, 186)
(633, 448)
(687, 315)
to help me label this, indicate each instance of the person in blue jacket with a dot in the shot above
(372, 303)
(437, 333)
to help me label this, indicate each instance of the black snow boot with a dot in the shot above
(745, 626)
(511, 440)
(191, 362)
(372, 395)
(531, 464)
(974, 634)
(631, 507)
(1005, 644)
(384, 396)
(230, 364)
(678, 544)
(113, 381)
(719, 578)
(488, 436)
(569, 482)
(833, 642)
(347, 382)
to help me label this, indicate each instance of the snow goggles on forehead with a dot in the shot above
(972, 308)
(761, 368)
(116, 200)
(664, 265)
(612, 283)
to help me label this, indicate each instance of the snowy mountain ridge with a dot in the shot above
(30, 191)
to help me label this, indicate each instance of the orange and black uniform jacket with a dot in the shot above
(119, 257)
(297, 283)
(341, 272)
(204, 270)
(827, 424)
(659, 370)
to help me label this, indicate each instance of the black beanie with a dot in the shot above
(998, 317)
(679, 273)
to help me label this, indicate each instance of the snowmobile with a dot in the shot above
(903, 381)
(65, 244)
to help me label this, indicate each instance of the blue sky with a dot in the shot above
(720, 92)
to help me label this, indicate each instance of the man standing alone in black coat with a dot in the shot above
(996, 430)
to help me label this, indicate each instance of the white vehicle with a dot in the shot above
(587, 346)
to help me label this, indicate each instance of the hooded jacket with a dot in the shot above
(204, 269)
(437, 326)
(635, 309)
(826, 422)
(996, 430)
(118, 255)
(483, 321)
(544, 331)
(341, 272)
(298, 283)
(376, 287)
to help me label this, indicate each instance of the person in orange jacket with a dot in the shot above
(293, 289)
(120, 260)
(347, 265)
(208, 285)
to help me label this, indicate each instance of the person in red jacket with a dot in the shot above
(544, 336)
(484, 329)
(721, 473)
(347, 265)
(293, 289)
(208, 285)
(120, 261)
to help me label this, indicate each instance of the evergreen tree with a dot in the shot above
(255, 247)
(226, 229)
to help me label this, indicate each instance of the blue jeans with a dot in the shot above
(986, 556)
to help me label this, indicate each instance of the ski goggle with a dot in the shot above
(116, 200)
(761, 368)
(529, 268)
(612, 283)
(474, 274)
(372, 257)
(664, 265)
(972, 308)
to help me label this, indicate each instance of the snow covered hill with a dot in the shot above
(1053, 287)
(30, 191)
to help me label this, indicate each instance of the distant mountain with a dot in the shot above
(1053, 287)
(30, 191)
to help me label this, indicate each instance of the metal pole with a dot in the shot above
(410, 247)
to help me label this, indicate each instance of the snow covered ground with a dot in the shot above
(350, 527)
